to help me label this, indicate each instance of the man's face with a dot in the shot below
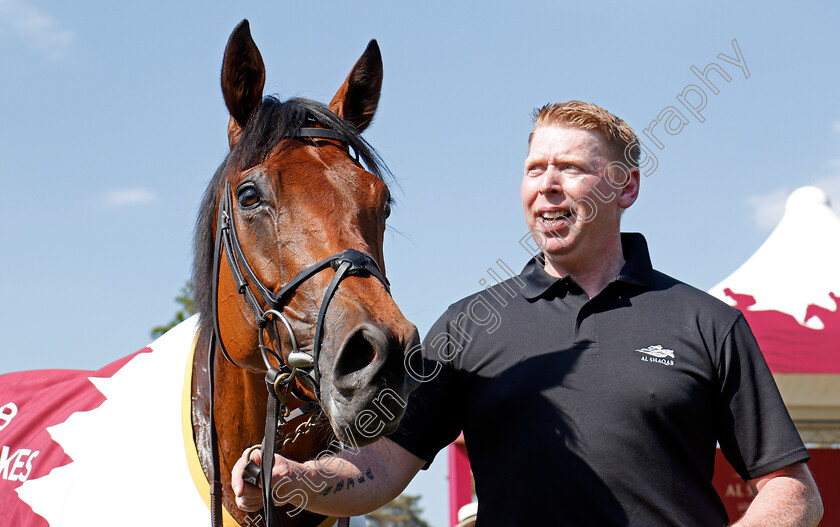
(566, 194)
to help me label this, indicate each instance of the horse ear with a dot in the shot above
(358, 97)
(243, 78)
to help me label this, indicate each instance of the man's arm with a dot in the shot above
(350, 483)
(786, 497)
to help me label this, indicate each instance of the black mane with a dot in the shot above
(274, 121)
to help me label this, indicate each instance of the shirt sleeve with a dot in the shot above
(756, 433)
(432, 417)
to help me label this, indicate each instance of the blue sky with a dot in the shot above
(113, 121)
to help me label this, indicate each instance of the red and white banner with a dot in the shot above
(103, 448)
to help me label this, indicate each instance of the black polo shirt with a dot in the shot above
(601, 411)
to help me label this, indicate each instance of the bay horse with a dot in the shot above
(297, 334)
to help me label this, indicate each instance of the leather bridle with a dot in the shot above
(299, 364)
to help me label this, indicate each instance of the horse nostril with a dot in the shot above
(370, 353)
(360, 350)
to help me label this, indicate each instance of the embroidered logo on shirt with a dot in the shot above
(657, 354)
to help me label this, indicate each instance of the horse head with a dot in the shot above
(289, 268)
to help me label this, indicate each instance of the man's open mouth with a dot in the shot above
(556, 218)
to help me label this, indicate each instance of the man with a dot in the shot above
(599, 395)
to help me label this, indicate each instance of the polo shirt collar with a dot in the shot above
(637, 268)
(537, 281)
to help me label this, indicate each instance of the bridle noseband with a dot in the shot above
(300, 365)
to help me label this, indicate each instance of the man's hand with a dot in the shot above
(249, 497)
(348, 483)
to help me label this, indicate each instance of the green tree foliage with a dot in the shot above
(404, 511)
(185, 299)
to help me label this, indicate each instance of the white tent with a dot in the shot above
(789, 291)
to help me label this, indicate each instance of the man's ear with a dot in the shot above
(626, 182)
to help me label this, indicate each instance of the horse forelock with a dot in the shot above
(274, 121)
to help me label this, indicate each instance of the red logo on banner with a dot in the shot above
(787, 345)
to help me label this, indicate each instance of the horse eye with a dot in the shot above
(248, 197)
(387, 211)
